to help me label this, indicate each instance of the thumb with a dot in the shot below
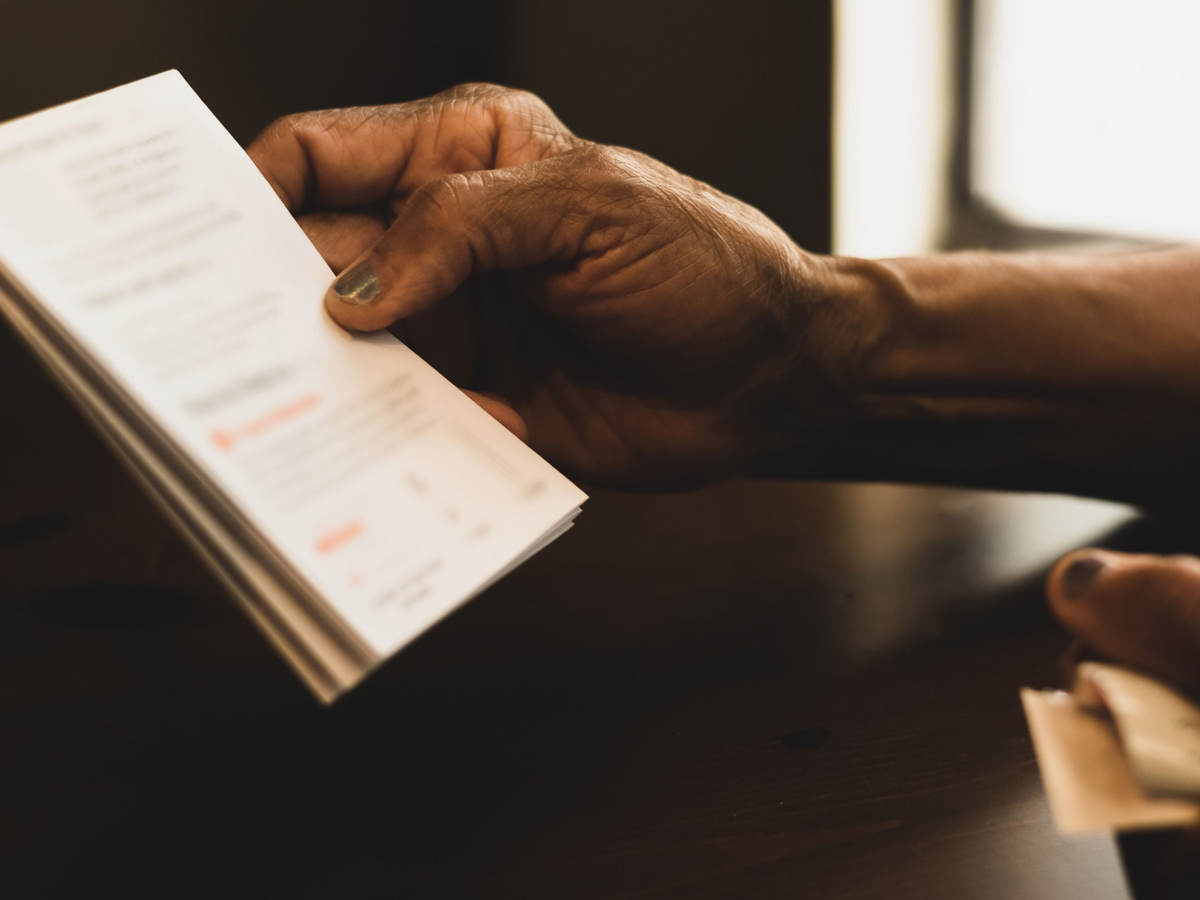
(456, 226)
(1140, 610)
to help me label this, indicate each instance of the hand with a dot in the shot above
(638, 326)
(1143, 611)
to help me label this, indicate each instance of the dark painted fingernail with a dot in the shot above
(1079, 576)
(358, 284)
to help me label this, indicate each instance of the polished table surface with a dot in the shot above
(760, 689)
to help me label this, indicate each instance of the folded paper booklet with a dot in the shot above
(1121, 751)
(347, 494)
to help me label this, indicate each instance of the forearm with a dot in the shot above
(1052, 373)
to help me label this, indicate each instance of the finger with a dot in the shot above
(1143, 611)
(342, 237)
(507, 219)
(500, 410)
(345, 158)
(444, 336)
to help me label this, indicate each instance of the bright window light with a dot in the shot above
(891, 125)
(1085, 114)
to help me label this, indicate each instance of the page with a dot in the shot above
(144, 230)
(316, 656)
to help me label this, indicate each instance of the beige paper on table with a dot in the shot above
(1120, 752)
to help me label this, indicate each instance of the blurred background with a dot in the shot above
(1013, 124)
(874, 127)
(736, 94)
(871, 127)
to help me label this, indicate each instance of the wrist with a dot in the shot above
(1031, 372)
(868, 334)
(845, 328)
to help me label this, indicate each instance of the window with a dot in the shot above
(1014, 123)
(1083, 114)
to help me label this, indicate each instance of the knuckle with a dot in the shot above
(617, 173)
(525, 101)
(478, 92)
(498, 95)
(301, 125)
(443, 197)
(515, 105)
(602, 159)
(281, 127)
(619, 164)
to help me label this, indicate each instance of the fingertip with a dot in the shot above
(282, 167)
(352, 317)
(354, 300)
(341, 237)
(502, 411)
(284, 197)
(358, 285)
(1142, 611)
(1073, 575)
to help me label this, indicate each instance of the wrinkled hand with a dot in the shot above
(635, 325)
(1143, 611)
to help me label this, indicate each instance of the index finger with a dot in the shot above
(360, 156)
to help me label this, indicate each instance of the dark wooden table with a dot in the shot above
(757, 690)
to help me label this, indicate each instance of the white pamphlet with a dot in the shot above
(347, 492)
